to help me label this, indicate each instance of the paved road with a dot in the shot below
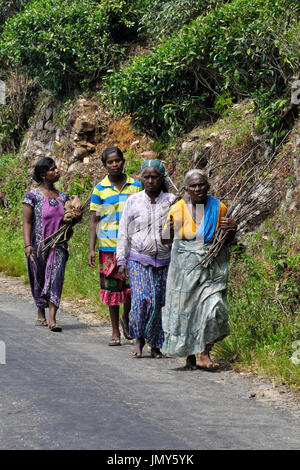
(72, 391)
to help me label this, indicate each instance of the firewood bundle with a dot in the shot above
(73, 214)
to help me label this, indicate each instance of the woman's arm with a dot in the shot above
(93, 237)
(27, 228)
(123, 242)
(167, 233)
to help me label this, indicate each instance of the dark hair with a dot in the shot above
(41, 168)
(110, 150)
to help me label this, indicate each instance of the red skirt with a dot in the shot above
(113, 289)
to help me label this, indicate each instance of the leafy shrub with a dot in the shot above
(160, 19)
(13, 178)
(235, 48)
(78, 184)
(67, 44)
(16, 112)
(9, 8)
(264, 304)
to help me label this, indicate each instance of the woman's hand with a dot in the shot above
(78, 215)
(123, 271)
(29, 252)
(228, 225)
(167, 234)
(91, 259)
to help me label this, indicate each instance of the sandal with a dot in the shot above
(114, 342)
(54, 327)
(41, 322)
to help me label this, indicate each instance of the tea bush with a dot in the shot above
(9, 8)
(67, 44)
(235, 48)
(159, 19)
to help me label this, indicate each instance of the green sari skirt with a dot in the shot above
(195, 311)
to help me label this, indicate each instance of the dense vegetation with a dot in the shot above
(238, 49)
(208, 53)
(67, 45)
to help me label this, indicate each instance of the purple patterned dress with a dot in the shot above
(46, 273)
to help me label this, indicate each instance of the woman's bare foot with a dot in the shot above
(156, 353)
(138, 350)
(205, 362)
(41, 314)
(41, 319)
(191, 363)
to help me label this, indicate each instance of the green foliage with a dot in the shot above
(223, 102)
(16, 112)
(9, 8)
(234, 49)
(132, 162)
(269, 119)
(264, 306)
(67, 45)
(61, 112)
(159, 19)
(13, 178)
(78, 184)
(8, 128)
(12, 259)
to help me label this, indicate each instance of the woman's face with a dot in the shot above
(197, 188)
(114, 164)
(152, 180)
(52, 175)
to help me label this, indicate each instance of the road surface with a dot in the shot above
(70, 390)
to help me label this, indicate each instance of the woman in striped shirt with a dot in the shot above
(107, 203)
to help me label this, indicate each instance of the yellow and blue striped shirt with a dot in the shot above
(109, 203)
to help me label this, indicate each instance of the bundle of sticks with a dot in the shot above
(73, 213)
(256, 186)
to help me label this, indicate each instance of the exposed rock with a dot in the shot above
(83, 124)
(48, 113)
(187, 145)
(213, 135)
(39, 125)
(193, 136)
(74, 143)
(148, 154)
(73, 167)
(80, 153)
(90, 147)
(50, 126)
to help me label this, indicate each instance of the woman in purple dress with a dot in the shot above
(43, 210)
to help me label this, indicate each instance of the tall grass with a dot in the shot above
(264, 308)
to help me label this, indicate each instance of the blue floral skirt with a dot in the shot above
(148, 287)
